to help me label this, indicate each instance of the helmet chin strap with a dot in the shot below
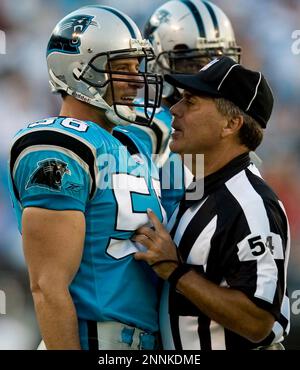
(123, 111)
(98, 101)
(110, 113)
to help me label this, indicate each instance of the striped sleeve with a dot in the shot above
(257, 245)
(53, 170)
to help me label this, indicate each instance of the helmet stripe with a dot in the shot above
(125, 20)
(213, 17)
(196, 15)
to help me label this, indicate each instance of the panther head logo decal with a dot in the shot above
(66, 38)
(49, 174)
(162, 16)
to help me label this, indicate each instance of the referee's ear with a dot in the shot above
(232, 126)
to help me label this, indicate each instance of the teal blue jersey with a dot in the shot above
(65, 164)
(156, 138)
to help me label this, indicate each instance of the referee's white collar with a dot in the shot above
(215, 180)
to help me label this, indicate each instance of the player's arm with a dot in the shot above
(52, 178)
(53, 244)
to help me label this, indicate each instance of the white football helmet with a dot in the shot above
(186, 35)
(79, 55)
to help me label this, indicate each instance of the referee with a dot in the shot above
(225, 254)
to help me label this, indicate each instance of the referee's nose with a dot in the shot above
(176, 109)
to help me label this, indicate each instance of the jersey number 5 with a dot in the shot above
(124, 186)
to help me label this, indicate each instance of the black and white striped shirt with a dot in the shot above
(236, 235)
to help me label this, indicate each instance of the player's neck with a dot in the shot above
(74, 108)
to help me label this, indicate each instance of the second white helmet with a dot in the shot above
(187, 34)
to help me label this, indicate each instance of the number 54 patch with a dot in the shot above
(255, 246)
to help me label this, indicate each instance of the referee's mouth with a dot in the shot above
(177, 132)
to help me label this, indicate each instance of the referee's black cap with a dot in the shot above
(224, 78)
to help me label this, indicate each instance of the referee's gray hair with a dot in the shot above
(251, 133)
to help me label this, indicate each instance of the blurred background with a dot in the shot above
(263, 28)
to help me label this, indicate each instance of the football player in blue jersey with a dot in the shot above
(185, 35)
(79, 194)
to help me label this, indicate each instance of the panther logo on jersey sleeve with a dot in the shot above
(49, 174)
(67, 39)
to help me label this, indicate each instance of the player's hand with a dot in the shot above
(161, 252)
